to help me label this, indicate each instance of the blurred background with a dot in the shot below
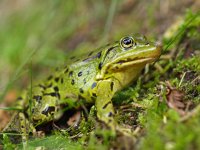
(45, 32)
(36, 36)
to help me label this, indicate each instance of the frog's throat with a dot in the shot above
(114, 67)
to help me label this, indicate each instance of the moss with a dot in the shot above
(142, 107)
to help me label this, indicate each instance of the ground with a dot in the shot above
(161, 108)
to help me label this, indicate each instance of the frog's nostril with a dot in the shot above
(49, 110)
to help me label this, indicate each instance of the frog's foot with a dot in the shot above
(67, 122)
(125, 131)
(39, 134)
(19, 126)
(75, 119)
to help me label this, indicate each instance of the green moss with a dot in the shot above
(51, 142)
(50, 33)
(162, 125)
(190, 64)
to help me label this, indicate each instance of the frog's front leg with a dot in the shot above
(103, 103)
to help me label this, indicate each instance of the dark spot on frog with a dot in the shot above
(94, 94)
(86, 59)
(72, 57)
(38, 98)
(90, 53)
(84, 81)
(94, 85)
(100, 65)
(50, 85)
(81, 90)
(98, 54)
(110, 114)
(53, 94)
(80, 74)
(57, 79)
(111, 48)
(77, 60)
(25, 113)
(66, 70)
(50, 77)
(72, 82)
(106, 105)
(48, 110)
(121, 62)
(80, 97)
(56, 89)
(70, 73)
(62, 80)
(42, 86)
(110, 120)
(111, 86)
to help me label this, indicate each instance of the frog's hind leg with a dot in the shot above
(19, 126)
(26, 127)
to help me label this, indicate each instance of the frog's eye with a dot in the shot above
(127, 42)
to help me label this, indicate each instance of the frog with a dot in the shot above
(94, 79)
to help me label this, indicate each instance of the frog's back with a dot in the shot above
(79, 78)
(75, 81)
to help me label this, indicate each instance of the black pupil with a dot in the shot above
(127, 41)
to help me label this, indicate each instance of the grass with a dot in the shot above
(42, 35)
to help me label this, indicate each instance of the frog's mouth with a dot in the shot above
(125, 64)
(131, 62)
(135, 61)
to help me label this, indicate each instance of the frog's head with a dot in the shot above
(129, 53)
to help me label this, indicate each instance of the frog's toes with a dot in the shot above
(125, 131)
(75, 119)
(39, 134)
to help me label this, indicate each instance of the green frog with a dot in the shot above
(93, 79)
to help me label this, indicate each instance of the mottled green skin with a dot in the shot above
(94, 78)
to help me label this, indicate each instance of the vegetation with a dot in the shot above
(162, 108)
